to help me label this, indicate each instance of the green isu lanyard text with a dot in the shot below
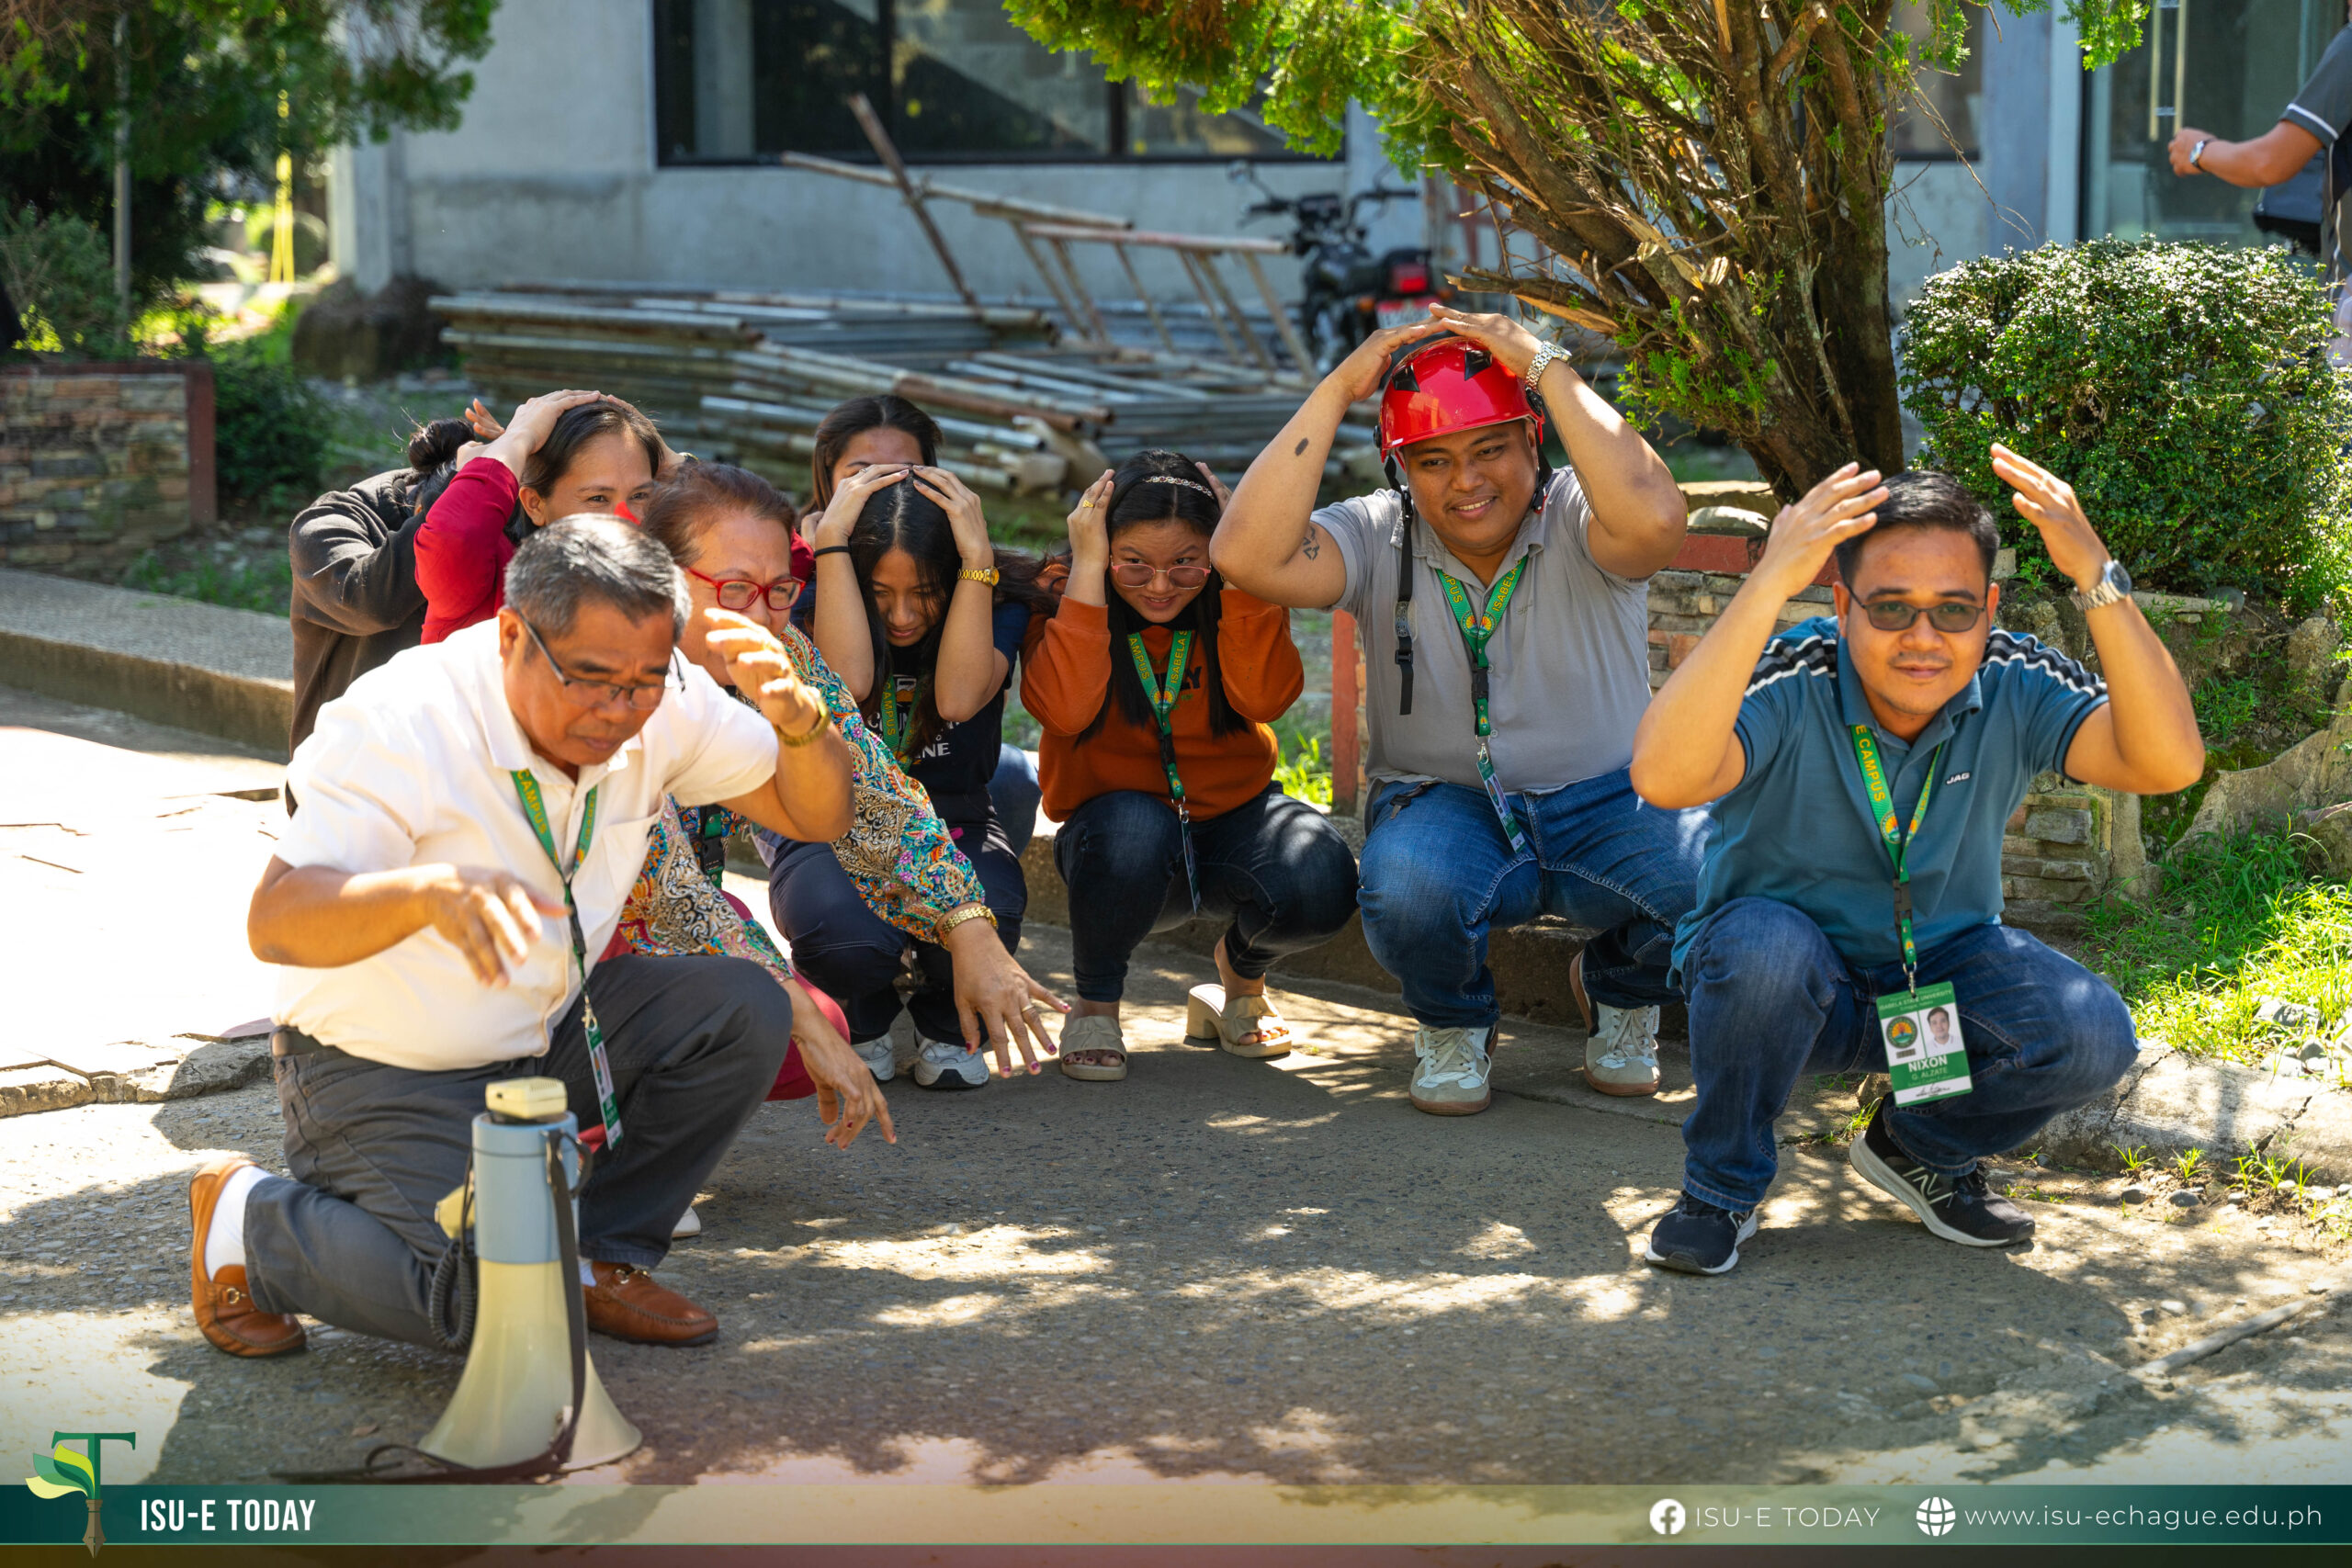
(1163, 694)
(1476, 624)
(535, 807)
(898, 718)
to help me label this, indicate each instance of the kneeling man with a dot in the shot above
(473, 816)
(1863, 770)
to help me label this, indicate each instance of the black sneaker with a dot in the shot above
(1961, 1208)
(1696, 1237)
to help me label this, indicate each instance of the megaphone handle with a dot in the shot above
(575, 1315)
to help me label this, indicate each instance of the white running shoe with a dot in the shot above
(880, 1057)
(1452, 1077)
(944, 1064)
(689, 1224)
(1620, 1054)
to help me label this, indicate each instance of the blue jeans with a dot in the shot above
(1274, 864)
(1438, 875)
(1771, 1001)
(1014, 791)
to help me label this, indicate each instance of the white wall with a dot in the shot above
(1936, 216)
(552, 175)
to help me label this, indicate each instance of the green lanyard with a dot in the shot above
(1477, 626)
(898, 724)
(1163, 695)
(1898, 838)
(535, 807)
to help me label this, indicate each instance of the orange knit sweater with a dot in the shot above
(1066, 679)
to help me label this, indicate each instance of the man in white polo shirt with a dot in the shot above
(474, 813)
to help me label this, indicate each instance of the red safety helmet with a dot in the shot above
(1447, 384)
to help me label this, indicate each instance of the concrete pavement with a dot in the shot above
(1273, 1270)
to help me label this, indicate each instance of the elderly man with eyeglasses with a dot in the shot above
(1862, 770)
(474, 813)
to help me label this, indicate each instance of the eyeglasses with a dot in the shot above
(1139, 574)
(1953, 616)
(598, 694)
(741, 593)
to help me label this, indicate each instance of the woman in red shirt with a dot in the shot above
(563, 454)
(1153, 682)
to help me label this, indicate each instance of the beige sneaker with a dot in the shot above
(1450, 1080)
(1620, 1044)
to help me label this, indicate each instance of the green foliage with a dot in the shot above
(2234, 920)
(265, 584)
(1303, 774)
(61, 275)
(206, 81)
(2185, 1165)
(270, 430)
(2134, 1156)
(2183, 390)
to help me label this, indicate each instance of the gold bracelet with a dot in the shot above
(953, 918)
(815, 733)
(987, 574)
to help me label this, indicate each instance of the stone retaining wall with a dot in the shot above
(101, 461)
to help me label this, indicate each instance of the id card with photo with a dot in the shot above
(1925, 1058)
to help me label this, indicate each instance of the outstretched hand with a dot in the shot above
(1804, 535)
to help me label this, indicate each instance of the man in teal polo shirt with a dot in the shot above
(1862, 770)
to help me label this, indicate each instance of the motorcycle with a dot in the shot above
(1349, 293)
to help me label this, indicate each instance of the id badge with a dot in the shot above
(1925, 1058)
(1502, 806)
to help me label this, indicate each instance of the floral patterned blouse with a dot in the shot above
(897, 851)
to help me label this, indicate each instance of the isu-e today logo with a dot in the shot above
(62, 1473)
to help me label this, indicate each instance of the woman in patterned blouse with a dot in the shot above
(731, 532)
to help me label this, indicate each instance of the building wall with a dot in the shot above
(552, 175)
(98, 462)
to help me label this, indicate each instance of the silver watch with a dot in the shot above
(2114, 583)
(1543, 357)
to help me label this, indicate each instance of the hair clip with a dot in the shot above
(1177, 479)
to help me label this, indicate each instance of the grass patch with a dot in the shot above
(2234, 920)
(264, 583)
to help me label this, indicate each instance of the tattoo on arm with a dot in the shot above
(1299, 450)
(1313, 547)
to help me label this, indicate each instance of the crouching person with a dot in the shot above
(1849, 908)
(473, 815)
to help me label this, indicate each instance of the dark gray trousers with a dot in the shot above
(694, 1045)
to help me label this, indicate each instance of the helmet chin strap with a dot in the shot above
(1394, 473)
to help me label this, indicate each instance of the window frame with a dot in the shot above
(1120, 94)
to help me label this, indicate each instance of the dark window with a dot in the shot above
(740, 81)
(1939, 120)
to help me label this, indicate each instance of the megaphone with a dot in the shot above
(527, 1371)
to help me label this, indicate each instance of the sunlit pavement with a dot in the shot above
(1267, 1271)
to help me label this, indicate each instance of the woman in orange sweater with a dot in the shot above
(1153, 682)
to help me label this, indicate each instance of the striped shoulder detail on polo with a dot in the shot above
(2031, 656)
(1815, 654)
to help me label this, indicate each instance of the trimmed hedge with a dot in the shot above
(2183, 390)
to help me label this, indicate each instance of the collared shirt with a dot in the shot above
(1798, 826)
(2323, 105)
(412, 766)
(1570, 664)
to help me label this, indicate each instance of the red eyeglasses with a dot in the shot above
(740, 593)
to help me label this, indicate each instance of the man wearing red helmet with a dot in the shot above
(1504, 610)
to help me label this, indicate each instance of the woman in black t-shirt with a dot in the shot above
(923, 619)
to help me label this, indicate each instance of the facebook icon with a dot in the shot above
(1667, 1516)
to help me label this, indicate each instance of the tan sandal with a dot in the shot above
(1212, 1017)
(1095, 1034)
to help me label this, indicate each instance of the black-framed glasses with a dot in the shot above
(597, 693)
(739, 593)
(1952, 616)
(1139, 574)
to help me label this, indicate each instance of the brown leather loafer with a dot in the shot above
(224, 1308)
(626, 1304)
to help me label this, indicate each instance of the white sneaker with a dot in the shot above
(1620, 1054)
(689, 1224)
(944, 1064)
(880, 1057)
(1452, 1077)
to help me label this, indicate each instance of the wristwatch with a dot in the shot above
(2197, 153)
(1544, 357)
(987, 574)
(2114, 583)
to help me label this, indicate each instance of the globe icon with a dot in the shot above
(1936, 1516)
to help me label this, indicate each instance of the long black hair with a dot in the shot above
(848, 421)
(1159, 486)
(900, 517)
(433, 461)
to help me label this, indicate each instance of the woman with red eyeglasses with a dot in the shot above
(1154, 681)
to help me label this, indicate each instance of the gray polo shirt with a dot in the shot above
(1570, 670)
